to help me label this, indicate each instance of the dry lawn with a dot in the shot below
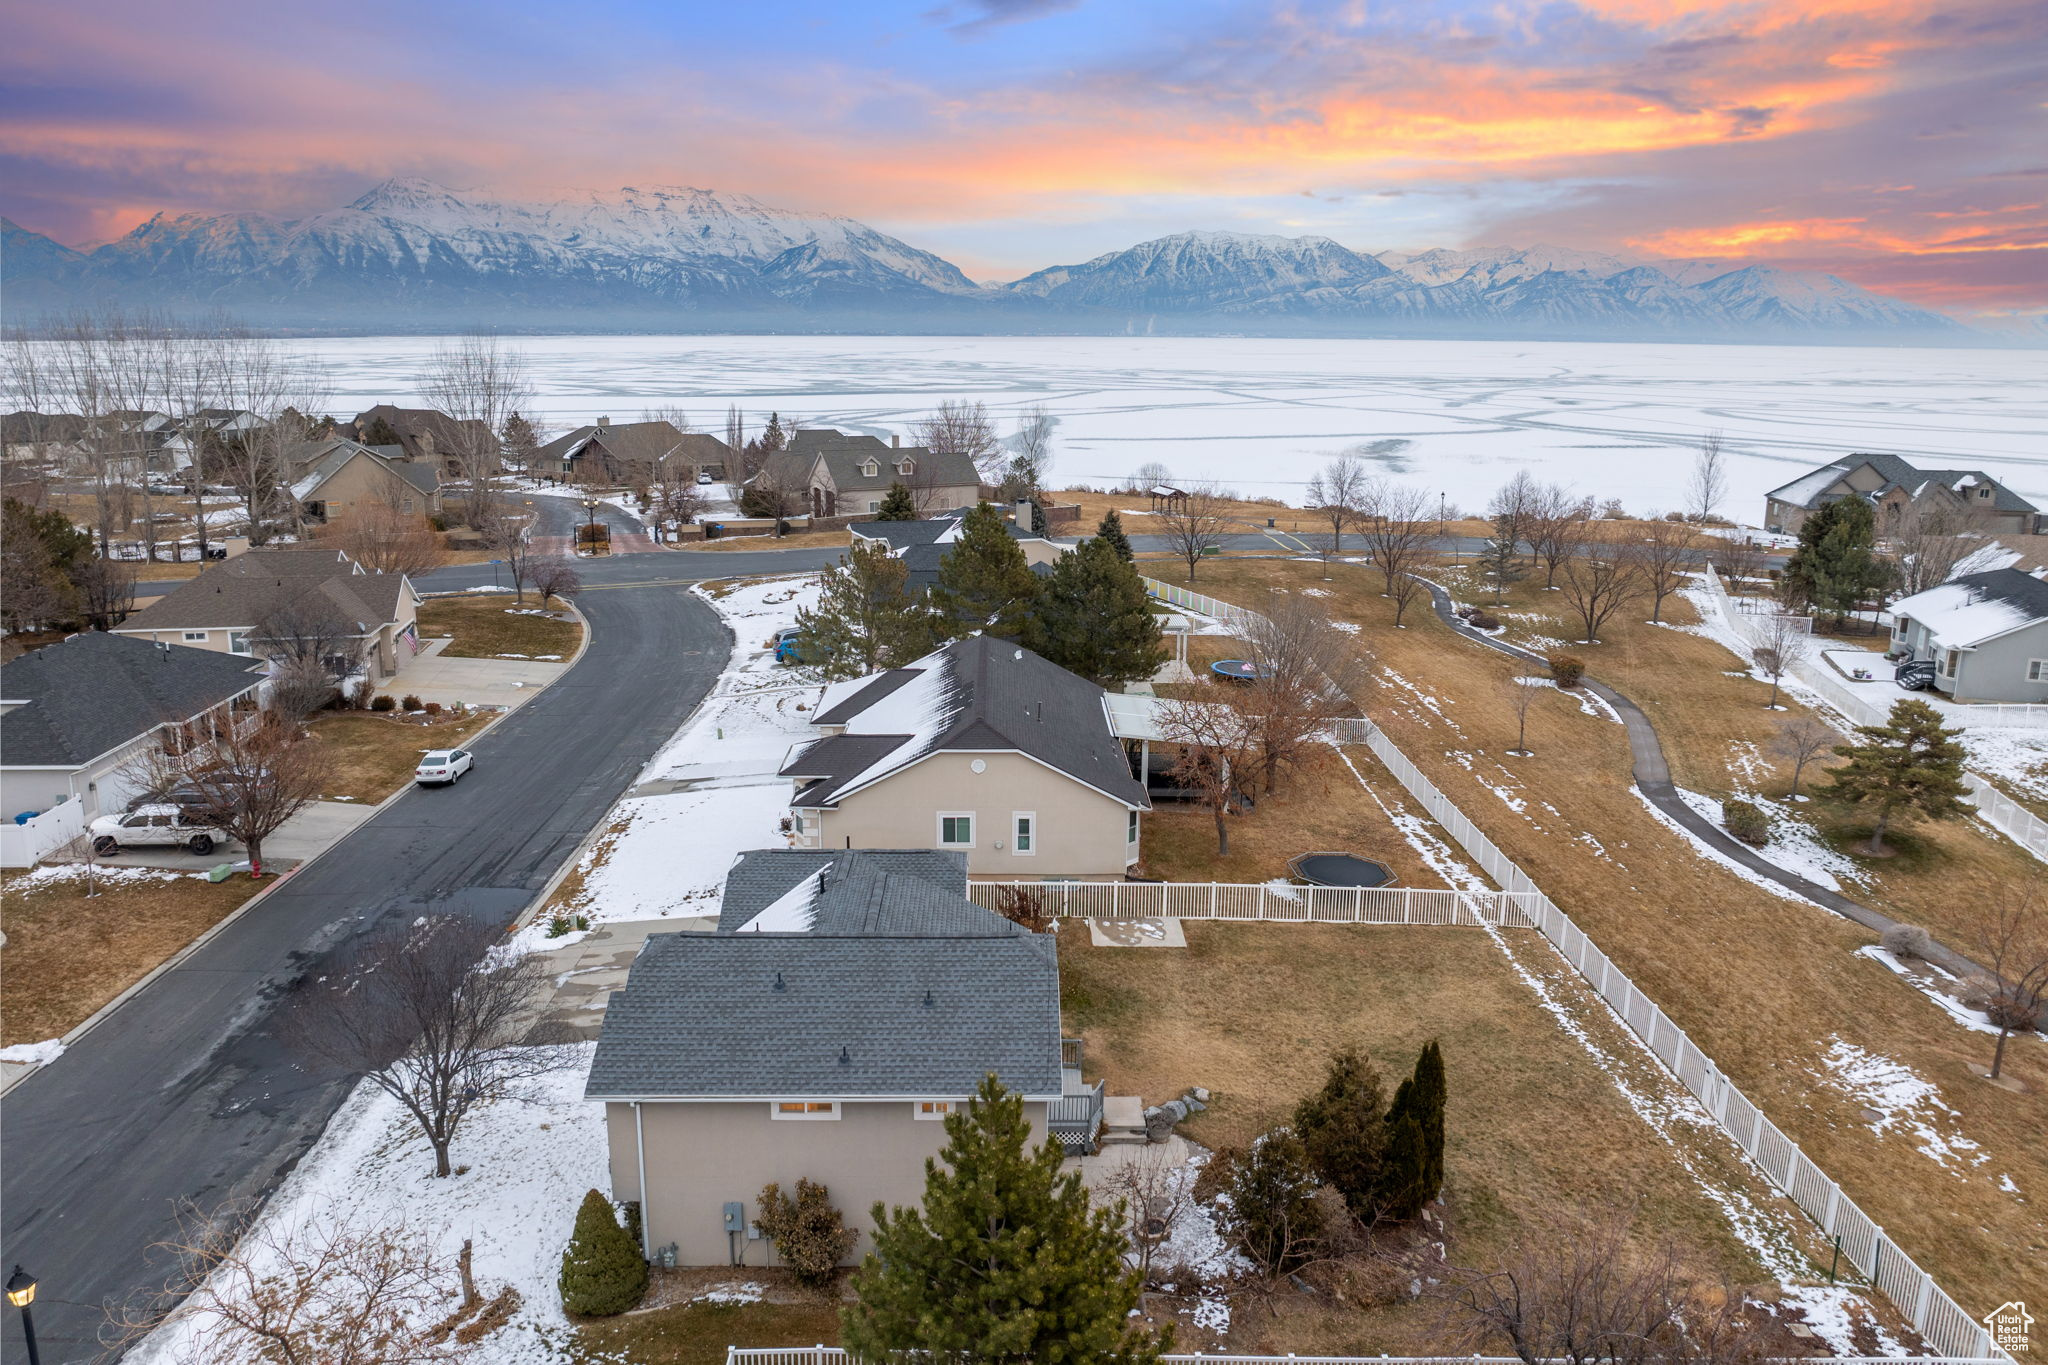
(1535, 1119)
(1764, 984)
(491, 626)
(372, 754)
(802, 540)
(698, 1333)
(68, 954)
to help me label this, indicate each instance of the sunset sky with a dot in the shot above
(1899, 143)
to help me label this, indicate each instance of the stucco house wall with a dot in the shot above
(700, 1155)
(363, 480)
(1079, 832)
(1996, 670)
(384, 647)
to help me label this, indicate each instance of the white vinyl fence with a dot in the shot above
(24, 844)
(1938, 1318)
(1265, 901)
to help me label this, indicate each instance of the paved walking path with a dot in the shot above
(1653, 778)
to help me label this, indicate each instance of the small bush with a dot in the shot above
(1907, 940)
(1483, 620)
(383, 703)
(559, 925)
(1746, 822)
(602, 1271)
(1274, 1217)
(807, 1231)
(432, 708)
(1567, 669)
(410, 702)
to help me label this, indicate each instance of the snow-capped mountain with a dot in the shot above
(411, 254)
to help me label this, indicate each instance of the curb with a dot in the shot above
(104, 1012)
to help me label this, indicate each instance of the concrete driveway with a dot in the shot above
(312, 831)
(479, 682)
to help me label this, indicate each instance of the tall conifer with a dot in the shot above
(985, 583)
(1094, 618)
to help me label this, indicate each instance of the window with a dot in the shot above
(873, 506)
(2037, 670)
(956, 829)
(1131, 829)
(934, 1109)
(198, 636)
(1949, 659)
(906, 467)
(804, 1109)
(238, 642)
(1025, 823)
(869, 469)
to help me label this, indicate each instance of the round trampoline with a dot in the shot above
(1237, 670)
(1339, 869)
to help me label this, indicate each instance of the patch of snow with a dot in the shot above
(1794, 845)
(1977, 1021)
(1712, 854)
(33, 1054)
(1903, 1100)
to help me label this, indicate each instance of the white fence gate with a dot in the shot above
(24, 844)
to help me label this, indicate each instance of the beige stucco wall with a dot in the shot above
(701, 1155)
(1081, 832)
(365, 479)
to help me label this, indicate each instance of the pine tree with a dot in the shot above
(602, 1271)
(1039, 525)
(1910, 765)
(1112, 530)
(772, 436)
(1342, 1127)
(867, 619)
(1431, 1093)
(379, 433)
(1400, 1195)
(1004, 1263)
(1094, 618)
(1273, 1216)
(1500, 564)
(1836, 563)
(521, 442)
(898, 505)
(985, 583)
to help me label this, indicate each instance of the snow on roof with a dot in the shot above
(1807, 487)
(1970, 610)
(793, 912)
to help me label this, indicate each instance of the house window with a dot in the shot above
(873, 506)
(1131, 829)
(956, 829)
(2037, 670)
(906, 467)
(869, 469)
(195, 636)
(804, 1109)
(1025, 823)
(934, 1109)
(238, 642)
(945, 500)
(1949, 660)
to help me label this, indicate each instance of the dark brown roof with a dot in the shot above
(408, 423)
(638, 443)
(244, 590)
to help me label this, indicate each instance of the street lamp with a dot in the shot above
(590, 505)
(21, 1292)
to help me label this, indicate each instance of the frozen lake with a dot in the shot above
(1259, 415)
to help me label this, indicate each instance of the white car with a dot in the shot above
(155, 826)
(442, 766)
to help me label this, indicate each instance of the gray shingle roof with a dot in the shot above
(93, 693)
(702, 1016)
(843, 455)
(240, 592)
(1806, 490)
(863, 891)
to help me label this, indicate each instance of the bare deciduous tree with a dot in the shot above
(313, 1292)
(1152, 474)
(1783, 644)
(1030, 455)
(1660, 556)
(554, 577)
(1556, 528)
(2012, 942)
(1521, 695)
(1339, 493)
(1398, 535)
(959, 427)
(1741, 561)
(1929, 543)
(1802, 739)
(1709, 482)
(479, 382)
(1194, 525)
(106, 591)
(1218, 744)
(431, 1013)
(1150, 1193)
(508, 533)
(246, 777)
(1598, 588)
(385, 539)
(1306, 675)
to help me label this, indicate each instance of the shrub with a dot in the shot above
(807, 1231)
(1343, 1128)
(383, 703)
(1273, 1215)
(410, 702)
(1483, 620)
(1567, 669)
(1907, 940)
(602, 1271)
(432, 708)
(1746, 822)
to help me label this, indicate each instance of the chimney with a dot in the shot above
(1021, 514)
(895, 440)
(602, 423)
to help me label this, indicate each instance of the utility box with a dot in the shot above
(735, 1216)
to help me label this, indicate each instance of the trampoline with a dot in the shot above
(1237, 670)
(1339, 869)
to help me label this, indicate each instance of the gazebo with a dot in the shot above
(1167, 498)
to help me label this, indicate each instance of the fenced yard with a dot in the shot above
(1264, 901)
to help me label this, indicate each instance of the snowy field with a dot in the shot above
(1260, 414)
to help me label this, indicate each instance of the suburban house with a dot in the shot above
(426, 436)
(834, 475)
(332, 477)
(1985, 633)
(981, 748)
(74, 714)
(225, 609)
(846, 1003)
(1892, 486)
(922, 544)
(612, 453)
(26, 434)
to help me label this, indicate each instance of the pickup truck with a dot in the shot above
(157, 826)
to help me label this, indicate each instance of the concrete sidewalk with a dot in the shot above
(588, 967)
(478, 682)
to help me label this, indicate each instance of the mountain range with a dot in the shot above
(411, 255)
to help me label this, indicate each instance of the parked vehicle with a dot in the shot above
(442, 767)
(156, 826)
(788, 645)
(704, 477)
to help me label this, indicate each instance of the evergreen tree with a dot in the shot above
(1500, 563)
(1039, 525)
(1342, 1127)
(1112, 530)
(985, 583)
(1431, 1093)
(379, 433)
(867, 619)
(1910, 765)
(772, 436)
(899, 505)
(522, 443)
(1094, 618)
(1004, 1263)
(603, 1272)
(1836, 563)
(1401, 1191)
(1273, 1216)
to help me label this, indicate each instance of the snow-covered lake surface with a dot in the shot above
(1260, 414)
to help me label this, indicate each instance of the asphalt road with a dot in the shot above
(183, 1094)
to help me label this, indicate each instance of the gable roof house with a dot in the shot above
(332, 477)
(845, 1002)
(73, 714)
(610, 453)
(425, 435)
(834, 474)
(924, 543)
(223, 609)
(1985, 633)
(982, 748)
(1891, 486)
